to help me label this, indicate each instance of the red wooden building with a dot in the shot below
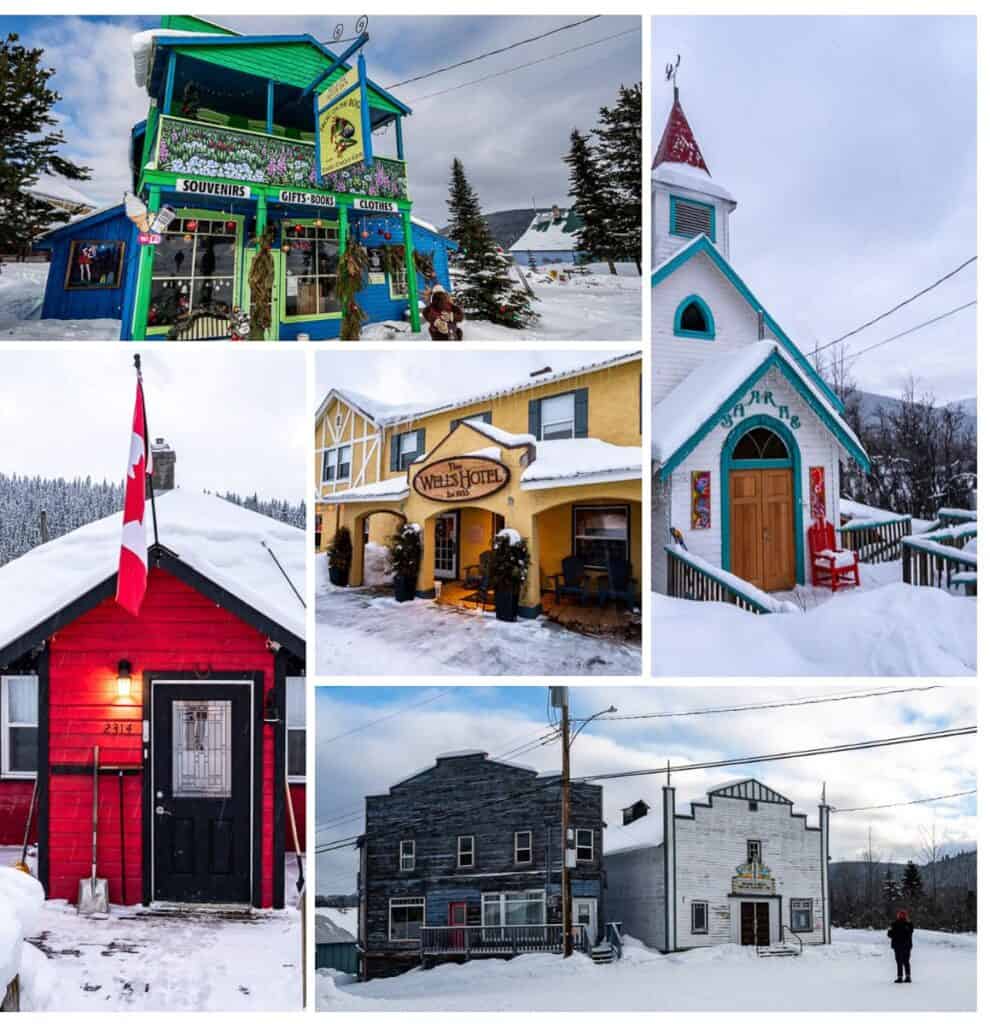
(197, 705)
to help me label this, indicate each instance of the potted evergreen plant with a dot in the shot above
(508, 571)
(405, 554)
(341, 553)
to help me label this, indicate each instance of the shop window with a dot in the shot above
(465, 851)
(688, 218)
(406, 915)
(601, 532)
(193, 269)
(407, 855)
(699, 918)
(310, 269)
(760, 443)
(337, 464)
(19, 721)
(398, 284)
(295, 728)
(524, 847)
(693, 319)
(801, 916)
(584, 841)
(513, 908)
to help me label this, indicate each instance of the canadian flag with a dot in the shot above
(132, 576)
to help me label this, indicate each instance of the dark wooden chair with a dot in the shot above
(618, 585)
(477, 578)
(830, 566)
(572, 580)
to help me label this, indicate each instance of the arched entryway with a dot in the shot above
(761, 504)
(374, 527)
(456, 543)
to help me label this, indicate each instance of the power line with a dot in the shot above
(769, 706)
(385, 718)
(906, 803)
(840, 748)
(521, 67)
(492, 53)
(911, 330)
(893, 309)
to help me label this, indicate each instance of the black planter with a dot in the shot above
(405, 587)
(506, 605)
(338, 577)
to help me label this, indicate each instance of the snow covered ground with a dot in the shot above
(367, 632)
(22, 292)
(854, 973)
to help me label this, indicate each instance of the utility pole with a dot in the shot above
(565, 818)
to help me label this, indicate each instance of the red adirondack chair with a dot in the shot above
(830, 566)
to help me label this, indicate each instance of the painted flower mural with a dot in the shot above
(186, 147)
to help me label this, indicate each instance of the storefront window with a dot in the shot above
(193, 270)
(513, 908)
(557, 417)
(601, 532)
(310, 269)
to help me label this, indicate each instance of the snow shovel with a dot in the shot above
(22, 864)
(93, 892)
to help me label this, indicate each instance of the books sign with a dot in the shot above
(463, 479)
(341, 126)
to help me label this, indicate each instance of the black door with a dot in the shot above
(201, 792)
(755, 924)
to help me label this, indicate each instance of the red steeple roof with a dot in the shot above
(678, 144)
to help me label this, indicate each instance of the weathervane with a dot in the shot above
(359, 26)
(672, 74)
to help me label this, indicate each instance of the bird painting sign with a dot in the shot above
(341, 124)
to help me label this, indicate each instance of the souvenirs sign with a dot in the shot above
(212, 188)
(464, 479)
(341, 129)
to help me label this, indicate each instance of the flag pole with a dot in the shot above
(147, 445)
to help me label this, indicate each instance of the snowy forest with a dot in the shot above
(36, 509)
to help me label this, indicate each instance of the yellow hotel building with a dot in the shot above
(556, 457)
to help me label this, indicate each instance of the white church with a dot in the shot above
(747, 436)
(742, 867)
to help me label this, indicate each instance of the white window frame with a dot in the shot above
(398, 284)
(461, 853)
(500, 898)
(331, 463)
(403, 856)
(414, 451)
(556, 423)
(405, 901)
(694, 929)
(590, 845)
(528, 849)
(805, 904)
(290, 727)
(7, 724)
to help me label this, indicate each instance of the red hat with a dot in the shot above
(901, 915)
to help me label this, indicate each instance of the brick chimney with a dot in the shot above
(162, 465)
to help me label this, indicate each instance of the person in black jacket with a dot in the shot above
(900, 934)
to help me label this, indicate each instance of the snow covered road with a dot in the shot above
(854, 973)
(359, 632)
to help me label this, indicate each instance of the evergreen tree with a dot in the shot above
(484, 287)
(911, 884)
(591, 201)
(28, 145)
(618, 150)
(891, 889)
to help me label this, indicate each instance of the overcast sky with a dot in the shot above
(401, 376)
(510, 132)
(850, 146)
(236, 419)
(351, 765)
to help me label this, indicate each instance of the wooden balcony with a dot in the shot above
(491, 940)
(197, 148)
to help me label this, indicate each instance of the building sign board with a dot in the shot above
(287, 195)
(341, 125)
(753, 878)
(223, 189)
(763, 400)
(376, 206)
(461, 479)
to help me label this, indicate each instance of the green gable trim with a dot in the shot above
(189, 23)
(703, 244)
(827, 416)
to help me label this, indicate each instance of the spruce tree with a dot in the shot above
(911, 883)
(484, 285)
(591, 201)
(28, 146)
(618, 149)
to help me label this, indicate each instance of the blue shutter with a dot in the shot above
(394, 457)
(420, 441)
(581, 412)
(534, 418)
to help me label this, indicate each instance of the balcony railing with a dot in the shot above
(491, 940)
(213, 151)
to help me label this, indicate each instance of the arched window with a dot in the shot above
(760, 443)
(694, 319)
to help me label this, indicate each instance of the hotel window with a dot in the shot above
(689, 218)
(19, 734)
(584, 840)
(398, 284)
(310, 269)
(699, 918)
(193, 268)
(407, 447)
(601, 532)
(465, 851)
(405, 918)
(801, 916)
(524, 847)
(557, 418)
(407, 855)
(337, 464)
(754, 851)
(513, 908)
(295, 728)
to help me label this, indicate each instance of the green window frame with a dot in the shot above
(308, 231)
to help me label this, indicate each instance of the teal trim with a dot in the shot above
(760, 463)
(270, 108)
(399, 152)
(365, 113)
(674, 200)
(704, 244)
(727, 465)
(749, 599)
(708, 333)
(169, 83)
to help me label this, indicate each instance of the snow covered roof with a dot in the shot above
(229, 545)
(503, 437)
(642, 834)
(394, 488)
(679, 421)
(329, 932)
(143, 46)
(678, 144)
(581, 459)
(549, 233)
(51, 187)
(685, 176)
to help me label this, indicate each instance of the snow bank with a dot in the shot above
(377, 565)
(22, 899)
(869, 514)
(759, 597)
(893, 630)
(583, 457)
(22, 292)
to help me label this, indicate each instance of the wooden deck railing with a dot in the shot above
(928, 561)
(691, 578)
(491, 940)
(955, 516)
(875, 540)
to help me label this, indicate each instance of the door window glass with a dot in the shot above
(201, 748)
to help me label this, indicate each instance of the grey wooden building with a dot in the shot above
(463, 860)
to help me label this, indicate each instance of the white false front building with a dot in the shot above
(742, 867)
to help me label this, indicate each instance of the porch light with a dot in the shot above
(123, 678)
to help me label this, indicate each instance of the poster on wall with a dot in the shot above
(701, 499)
(341, 127)
(376, 267)
(816, 491)
(94, 265)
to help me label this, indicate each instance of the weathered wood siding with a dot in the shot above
(635, 895)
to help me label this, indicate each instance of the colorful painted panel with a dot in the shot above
(816, 491)
(701, 499)
(94, 264)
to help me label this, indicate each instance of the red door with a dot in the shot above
(457, 915)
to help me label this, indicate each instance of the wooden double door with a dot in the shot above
(761, 527)
(754, 924)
